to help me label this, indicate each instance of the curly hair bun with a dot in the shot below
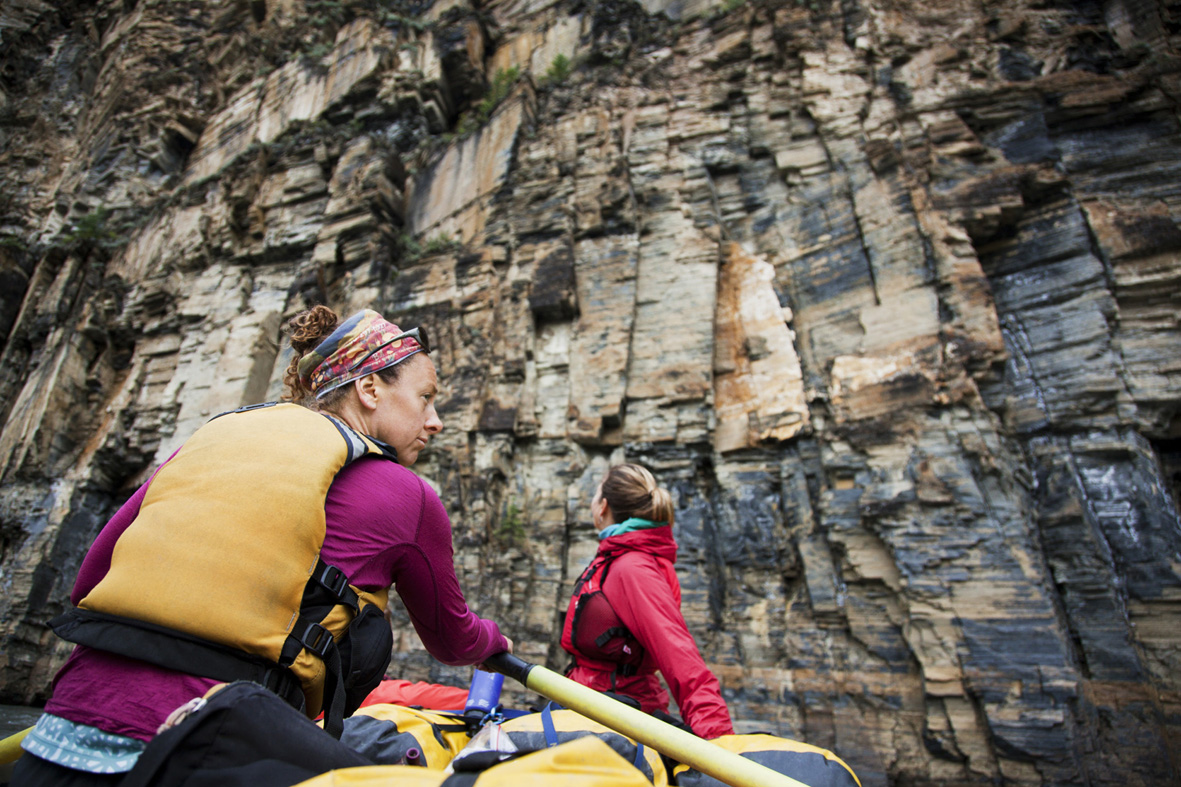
(306, 330)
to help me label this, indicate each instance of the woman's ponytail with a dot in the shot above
(662, 506)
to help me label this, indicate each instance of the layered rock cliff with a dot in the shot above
(885, 291)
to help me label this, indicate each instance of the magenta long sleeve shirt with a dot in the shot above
(384, 526)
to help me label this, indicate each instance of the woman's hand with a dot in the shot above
(509, 649)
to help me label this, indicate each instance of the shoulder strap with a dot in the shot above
(358, 444)
(361, 444)
(598, 565)
(247, 408)
(607, 561)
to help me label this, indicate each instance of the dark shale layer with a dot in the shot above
(886, 292)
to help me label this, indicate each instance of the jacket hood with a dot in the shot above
(656, 541)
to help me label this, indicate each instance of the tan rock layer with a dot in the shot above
(885, 293)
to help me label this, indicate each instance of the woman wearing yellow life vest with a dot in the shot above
(624, 622)
(264, 549)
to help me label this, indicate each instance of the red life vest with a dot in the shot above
(593, 632)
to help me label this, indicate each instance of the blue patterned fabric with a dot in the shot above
(81, 747)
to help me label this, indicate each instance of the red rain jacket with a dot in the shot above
(434, 696)
(643, 591)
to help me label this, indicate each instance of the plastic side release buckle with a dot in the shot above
(335, 580)
(316, 639)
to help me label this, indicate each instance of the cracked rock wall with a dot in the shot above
(886, 292)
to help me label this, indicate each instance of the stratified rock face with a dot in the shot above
(886, 292)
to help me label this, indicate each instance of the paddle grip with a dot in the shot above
(508, 664)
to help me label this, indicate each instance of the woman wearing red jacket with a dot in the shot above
(624, 622)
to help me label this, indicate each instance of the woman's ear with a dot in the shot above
(604, 510)
(367, 391)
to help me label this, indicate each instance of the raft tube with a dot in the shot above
(684, 747)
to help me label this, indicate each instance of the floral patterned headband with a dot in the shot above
(364, 343)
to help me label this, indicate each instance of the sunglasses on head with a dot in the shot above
(418, 334)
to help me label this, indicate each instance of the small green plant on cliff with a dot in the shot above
(558, 70)
(394, 19)
(441, 244)
(502, 84)
(91, 229)
(512, 525)
(469, 123)
(318, 51)
(408, 248)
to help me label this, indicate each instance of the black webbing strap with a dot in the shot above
(623, 670)
(306, 635)
(610, 634)
(175, 650)
(335, 583)
(326, 588)
(317, 640)
(334, 678)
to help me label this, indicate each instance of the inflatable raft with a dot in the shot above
(555, 746)
(245, 735)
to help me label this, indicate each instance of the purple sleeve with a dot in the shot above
(448, 628)
(386, 526)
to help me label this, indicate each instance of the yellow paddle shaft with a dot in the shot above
(10, 747)
(684, 747)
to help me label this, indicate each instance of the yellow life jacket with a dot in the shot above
(219, 575)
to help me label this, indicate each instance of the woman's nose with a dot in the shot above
(434, 424)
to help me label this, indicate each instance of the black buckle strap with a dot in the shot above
(334, 580)
(314, 637)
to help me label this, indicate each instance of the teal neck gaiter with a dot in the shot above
(628, 525)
